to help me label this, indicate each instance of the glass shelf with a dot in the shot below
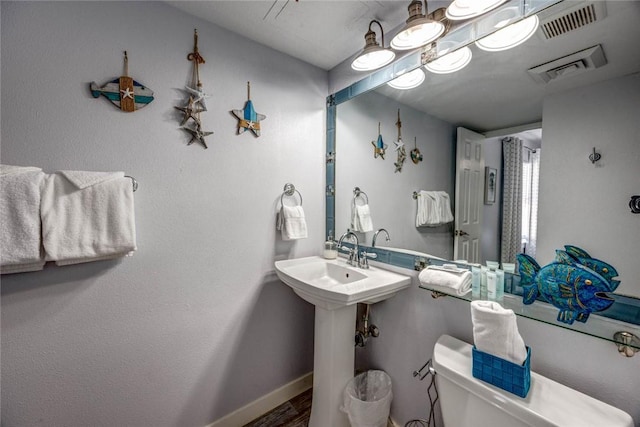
(622, 316)
(596, 326)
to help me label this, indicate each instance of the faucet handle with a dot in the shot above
(363, 262)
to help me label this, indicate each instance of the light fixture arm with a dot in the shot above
(375, 21)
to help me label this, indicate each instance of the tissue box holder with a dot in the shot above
(501, 373)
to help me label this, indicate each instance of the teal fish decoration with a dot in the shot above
(575, 289)
(606, 270)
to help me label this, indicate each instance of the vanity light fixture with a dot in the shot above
(373, 55)
(466, 9)
(450, 61)
(510, 36)
(408, 80)
(419, 30)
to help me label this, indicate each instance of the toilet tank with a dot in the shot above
(467, 401)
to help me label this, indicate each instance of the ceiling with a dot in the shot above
(493, 92)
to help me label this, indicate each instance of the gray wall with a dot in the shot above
(390, 193)
(195, 324)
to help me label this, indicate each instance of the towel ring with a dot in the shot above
(133, 182)
(289, 190)
(359, 193)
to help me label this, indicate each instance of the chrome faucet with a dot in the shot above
(354, 255)
(375, 235)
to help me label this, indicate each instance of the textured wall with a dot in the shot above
(195, 324)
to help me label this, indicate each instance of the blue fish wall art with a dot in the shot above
(575, 289)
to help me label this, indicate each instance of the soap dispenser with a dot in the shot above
(330, 248)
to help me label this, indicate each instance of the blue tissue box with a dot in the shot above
(501, 373)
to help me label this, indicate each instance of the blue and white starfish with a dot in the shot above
(248, 119)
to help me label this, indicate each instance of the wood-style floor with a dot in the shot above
(294, 413)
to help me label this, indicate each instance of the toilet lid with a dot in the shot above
(548, 403)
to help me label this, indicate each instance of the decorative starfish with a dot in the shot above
(127, 93)
(190, 112)
(379, 147)
(248, 118)
(402, 153)
(200, 96)
(198, 135)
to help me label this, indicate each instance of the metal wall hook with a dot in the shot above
(594, 157)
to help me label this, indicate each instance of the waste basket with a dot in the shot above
(367, 399)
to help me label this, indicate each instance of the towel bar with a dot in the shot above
(133, 182)
(359, 193)
(289, 190)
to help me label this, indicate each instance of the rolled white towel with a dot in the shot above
(20, 230)
(87, 216)
(495, 331)
(292, 223)
(447, 278)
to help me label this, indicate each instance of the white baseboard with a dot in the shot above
(266, 403)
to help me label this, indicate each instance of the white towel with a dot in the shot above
(495, 331)
(447, 279)
(20, 237)
(292, 223)
(87, 216)
(434, 209)
(361, 218)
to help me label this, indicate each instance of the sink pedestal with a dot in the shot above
(333, 364)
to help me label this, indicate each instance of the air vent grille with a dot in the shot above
(571, 21)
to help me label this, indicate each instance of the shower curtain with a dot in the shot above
(530, 203)
(511, 241)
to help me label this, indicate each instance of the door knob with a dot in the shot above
(461, 233)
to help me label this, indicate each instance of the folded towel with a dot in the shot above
(434, 209)
(20, 236)
(292, 223)
(87, 216)
(447, 279)
(361, 218)
(495, 331)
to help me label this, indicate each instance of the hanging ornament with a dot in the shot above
(402, 153)
(379, 147)
(416, 157)
(248, 119)
(196, 104)
(125, 93)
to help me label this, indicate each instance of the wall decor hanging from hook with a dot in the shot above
(248, 118)
(402, 153)
(124, 92)
(197, 96)
(594, 157)
(379, 147)
(416, 156)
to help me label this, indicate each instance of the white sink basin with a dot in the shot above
(333, 283)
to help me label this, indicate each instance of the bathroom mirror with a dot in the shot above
(492, 95)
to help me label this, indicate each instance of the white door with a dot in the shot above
(469, 197)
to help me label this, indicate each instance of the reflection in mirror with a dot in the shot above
(579, 108)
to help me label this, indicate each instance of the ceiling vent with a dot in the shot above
(570, 20)
(570, 65)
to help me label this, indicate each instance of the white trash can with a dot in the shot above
(367, 399)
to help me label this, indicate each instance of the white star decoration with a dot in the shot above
(127, 93)
(200, 96)
(399, 144)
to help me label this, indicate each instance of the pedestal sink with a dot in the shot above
(335, 288)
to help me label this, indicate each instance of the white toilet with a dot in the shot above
(467, 401)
